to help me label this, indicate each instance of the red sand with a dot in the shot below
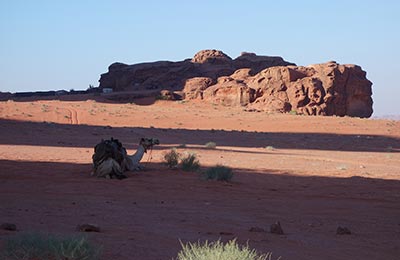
(322, 172)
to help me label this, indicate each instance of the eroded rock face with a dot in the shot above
(261, 83)
(323, 89)
(229, 92)
(194, 87)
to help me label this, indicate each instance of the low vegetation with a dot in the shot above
(218, 250)
(187, 162)
(219, 173)
(211, 145)
(171, 158)
(190, 163)
(41, 246)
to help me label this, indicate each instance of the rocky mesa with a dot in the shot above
(258, 83)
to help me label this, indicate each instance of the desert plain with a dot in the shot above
(313, 174)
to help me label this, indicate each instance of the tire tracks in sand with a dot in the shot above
(73, 116)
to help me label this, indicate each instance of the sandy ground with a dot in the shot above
(312, 174)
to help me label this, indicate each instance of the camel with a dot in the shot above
(131, 162)
(110, 158)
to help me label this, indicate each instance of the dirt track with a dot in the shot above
(312, 174)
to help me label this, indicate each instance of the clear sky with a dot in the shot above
(55, 44)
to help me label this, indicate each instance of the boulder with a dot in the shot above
(166, 94)
(276, 228)
(343, 231)
(88, 228)
(211, 56)
(194, 87)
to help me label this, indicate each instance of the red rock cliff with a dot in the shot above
(261, 83)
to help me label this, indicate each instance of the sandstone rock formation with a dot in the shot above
(211, 56)
(173, 75)
(322, 89)
(193, 88)
(260, 83)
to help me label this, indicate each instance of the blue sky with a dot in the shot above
(50, 45)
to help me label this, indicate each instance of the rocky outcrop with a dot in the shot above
(211, 57)
(174, 75)
(323, 89)
(229, 92)
(194, 87)
(260, 83)
(257, 63)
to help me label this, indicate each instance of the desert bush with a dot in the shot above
(389, 149)
(45, 108)
(270, 148)
(219, 172)
(190, 163)
(171, 158)
(210, 145)
(218, 250)
(162, 97)
(41, 246)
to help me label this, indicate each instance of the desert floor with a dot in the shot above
(313, 174)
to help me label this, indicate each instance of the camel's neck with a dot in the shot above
(136, 157)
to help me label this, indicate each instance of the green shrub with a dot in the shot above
(219, 173)
(211, 145)
(41, 246)
(171, 158)
(218, 250)
(190, 163)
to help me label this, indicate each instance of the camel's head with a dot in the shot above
(148, 143)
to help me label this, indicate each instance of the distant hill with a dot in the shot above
(390, 117)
